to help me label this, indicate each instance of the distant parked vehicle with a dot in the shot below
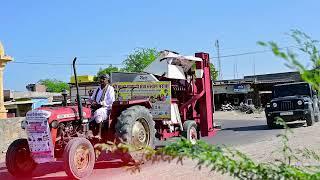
(227, 107)
(292, 102)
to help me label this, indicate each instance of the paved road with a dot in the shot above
(237, 132)
(234, 132)
(243, 131)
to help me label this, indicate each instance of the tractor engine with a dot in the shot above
(49, 129)
(66, 131)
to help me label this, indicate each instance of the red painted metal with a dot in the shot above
(165, 134)
(184, 107)
(54, 135)
(197, 104)
(68, 113)
(206, 101)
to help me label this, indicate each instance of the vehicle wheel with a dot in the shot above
(79, 158)
(135, 126)
(270, 123)
(310, 118)
(317, 117)
(18, 159)
(190, 131)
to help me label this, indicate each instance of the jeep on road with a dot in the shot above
(292, 102)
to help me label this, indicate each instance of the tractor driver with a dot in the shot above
(101, 101)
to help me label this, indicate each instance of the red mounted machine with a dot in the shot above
(179, 103)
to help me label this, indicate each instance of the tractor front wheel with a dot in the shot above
(136, 128)
(190, 131)
(18, 159)
(79, 158)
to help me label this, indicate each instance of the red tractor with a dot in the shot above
(184, 107)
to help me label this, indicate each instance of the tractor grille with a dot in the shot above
(286, 105)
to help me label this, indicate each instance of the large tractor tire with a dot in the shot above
(135, 127)
(190, 131)
(18, 159)
(79, 158)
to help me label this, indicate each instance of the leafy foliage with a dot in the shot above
(307, 46)
(219, 159)
(107, 70)
(213, 72)
(54, 85)
(140, 59)
(286, 150)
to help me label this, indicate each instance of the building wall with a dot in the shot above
(49, 95)
(7, 95)
(230, 89)
(38, 102)
(10, 130)
(40, 88)
(23, 109)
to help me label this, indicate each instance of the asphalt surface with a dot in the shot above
(239, 132)
(233, 133)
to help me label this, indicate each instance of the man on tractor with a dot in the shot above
(101, 102)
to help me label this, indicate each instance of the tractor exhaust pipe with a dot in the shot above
(77, 87)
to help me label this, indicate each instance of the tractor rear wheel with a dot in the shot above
(190, 131)
(18, 159)
(135, 127)
(79, 158)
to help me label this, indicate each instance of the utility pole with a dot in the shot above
(219, 61)
(234, 70)
(254, 66)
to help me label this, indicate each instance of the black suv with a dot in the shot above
(291, 102)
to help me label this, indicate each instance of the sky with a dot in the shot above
(105, 32)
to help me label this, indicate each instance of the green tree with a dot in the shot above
(213, 72)
(54, 85)
(107, 70)
(140, 59)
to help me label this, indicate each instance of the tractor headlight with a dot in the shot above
(300, 102)
(23, 124)
(54, 124)
(274, 105)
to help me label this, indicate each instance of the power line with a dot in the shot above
(250, 53)
(61, 57)
(65, 64)
(121, 64)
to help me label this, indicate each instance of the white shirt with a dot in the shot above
(108, 99)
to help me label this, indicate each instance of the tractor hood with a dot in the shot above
(171, 65)
(68, 113)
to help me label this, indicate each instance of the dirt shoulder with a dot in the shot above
(237, 115)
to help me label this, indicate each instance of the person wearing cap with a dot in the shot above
(101, 101)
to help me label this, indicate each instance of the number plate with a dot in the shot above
(286, 113)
